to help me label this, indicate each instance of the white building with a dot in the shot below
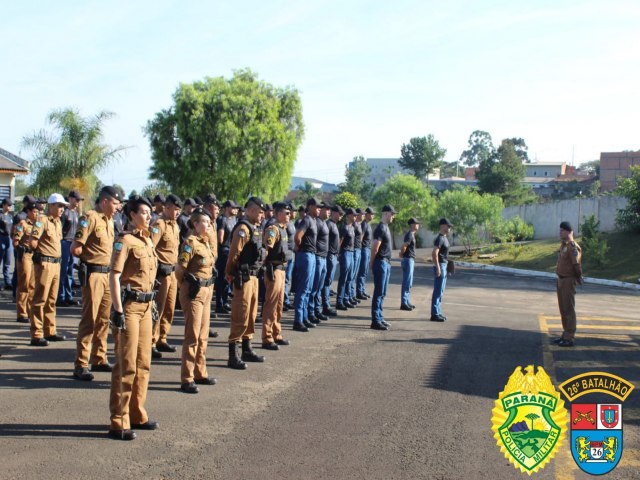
(10, 166)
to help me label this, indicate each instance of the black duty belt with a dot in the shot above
(39, 258)
(26, 249)
(279, 266)
(206, 282)
(254, 272)
(140, 297)
(91, 268)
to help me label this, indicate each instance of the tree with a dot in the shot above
(480, 149)
(449, 169)
(237, 137)
(70, 155)
(156, 188)
(469, 212)
(592, 166)
(308, 190)
(628, 218)
(533, 417)
(346, 200)
(520, 147)
(422, 156)
(356, 175)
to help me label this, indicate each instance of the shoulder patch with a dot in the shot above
(38, 224)
(117, 246)
(154, 230)
(241, 233)
(188, 248)
(19, 228)
(184, 257)
(84, 223)
(272, 233)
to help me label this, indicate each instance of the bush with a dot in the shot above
(512, 230)
(594, 246)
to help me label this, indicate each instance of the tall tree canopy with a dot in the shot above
(480, 148)
(422, 156)
(70, 154)
(237, 137)
(356, 175)
(502, 174)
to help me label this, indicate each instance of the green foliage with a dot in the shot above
(409, 196)
(628, 218)
(513, 230)
(520, 147)
(421, 156)
(469, 212)
(71, 153)
(156, 188)
(346, 200)
(308, 190)
(594, 245)
(502, 174)
(480, 149)
(236, 137)
(592, 166)
(449, 169)
(356, 175)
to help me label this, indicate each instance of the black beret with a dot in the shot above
(159, 198)
(111, 192)
(174, 199)
(566, 226)
(256, 201)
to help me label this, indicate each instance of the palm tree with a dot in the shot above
(308, 190)
(532, 417)
(71, 155)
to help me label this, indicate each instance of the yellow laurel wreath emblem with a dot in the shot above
(529, 419)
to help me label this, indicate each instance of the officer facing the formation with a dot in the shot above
(569, 272)
(93, 244)
(365, 256)
(46, 238)
(276, 242)
(440, 259)
(322, 250)
(408, 256)
(224, 226)
(332, 259)
(306, 233)
(69, 221)
(24, 263)
(165, 235)
(347, 238)
(246, 258)
(195, 275)
(133, 272)
(380, 258)
(6, 245)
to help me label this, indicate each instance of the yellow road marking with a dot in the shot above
(596, 319)
(587, 364)
(598, 327)
(596, 348)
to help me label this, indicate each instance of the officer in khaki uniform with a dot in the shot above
(276, 241)
(133, 269)
(569, 271)
(165, 235)
(93, 244)
(46, 238)
(243, 266)
(196, 278)
(24, 263)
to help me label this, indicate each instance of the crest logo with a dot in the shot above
(529, 419)
(596, 428)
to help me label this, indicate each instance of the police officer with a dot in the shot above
(291, 233)
(440, 259)
(158, 208)
(246, 257)
(332, 259)
(183, 219)
(347, 238)
(133, 270)
(569, 272)
(276, 241)
(408, 256)
(17, 218)
(322, 250)
(380, 258)
(69, 221)
(165, 235)
(357, 253)
(224, 227)
(195, 275)
(6, 245)
(305, 239)
(365, 255)
(93, 244)
(46, 237)
(24, 263)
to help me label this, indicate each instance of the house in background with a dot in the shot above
(324, 187)
(382, 169)
(614, 165)
(10, 166)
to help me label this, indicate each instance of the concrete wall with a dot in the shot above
(546, 217)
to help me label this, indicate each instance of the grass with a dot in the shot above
(623, 258)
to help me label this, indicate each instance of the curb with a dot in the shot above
(535, 273)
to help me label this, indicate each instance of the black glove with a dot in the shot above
(116, 320)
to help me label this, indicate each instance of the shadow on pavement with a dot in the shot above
(52, 431)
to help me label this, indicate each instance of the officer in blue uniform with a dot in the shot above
(380, 258)
(305, 239)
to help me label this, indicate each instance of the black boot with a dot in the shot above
(234, 362)
(248, 355)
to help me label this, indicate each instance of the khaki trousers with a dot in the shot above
(93, 329)
(197, 317)
(43, 307)
(130, 376)
(166, 301)
(26, 285)
(272, 307)
(566, 289)
(244, 308)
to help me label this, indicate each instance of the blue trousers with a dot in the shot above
(222, 286)
(315, 300)
(363, 271)
(381, 273)
(407, 280)
(305, 272)
(332, 266)
(65, 291)
(354, 273)
(6, 252)
(287, 281)
(438, 289)
(346, 265)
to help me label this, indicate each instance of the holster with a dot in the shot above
(83, 274)
(451, 267)
(269, 272)
(164, 269)
(194, 285)
(20, 252)
(242, 276)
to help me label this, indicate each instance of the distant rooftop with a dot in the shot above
(13, 163)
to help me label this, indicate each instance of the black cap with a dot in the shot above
(174, 199)
(190, 202)
(29, 199)
(337, 208)
(159, 198)
(210, 199)
(444, 221)
(566, 226)
(31, 206)
(110, 192)
(279, 206)
(198, 200)
(302, 208)
(389, 208)
(256, 201)
(349, 211)
(200, 211)
(6, 201)
(291, 207)
(359, 211)
(135, 201)
(369, 210)
(41, 200)
(311, 202)
(413, 220)
(268, 207)
(324, 205)
(230, 204)
(75, 194)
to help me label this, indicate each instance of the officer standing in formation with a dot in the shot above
(332, 259)
(365, 255)
(26, 280)
(291, 233)
(6, 245)
(357, 255)
(69, 221)
(408, 256)
(314, 309)
(224, 227)
(440, 259)
(380, 258)
(305, 269)
(347, 240)
(569, 272)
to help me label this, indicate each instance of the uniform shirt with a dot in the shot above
(291, 233)
(309, 226)
(165, 235)
(196, 256)
(118, 222)
(48, 232)
(322, 239)
(240, 237)
(213, 241)
(334, 238)
(69, 221)
(347, 236)
(183, 220)
(226, 224)
(570, 254)
(18, 217)
(299, 221)
(383, 234)
(6, 223)
(96, 234)
(357, 239)
(22, 233)
(366, 234)
(272, 236)
(135, 259)
(442, 244)
(410, 240)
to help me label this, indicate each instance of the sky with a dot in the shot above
(371, 74)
